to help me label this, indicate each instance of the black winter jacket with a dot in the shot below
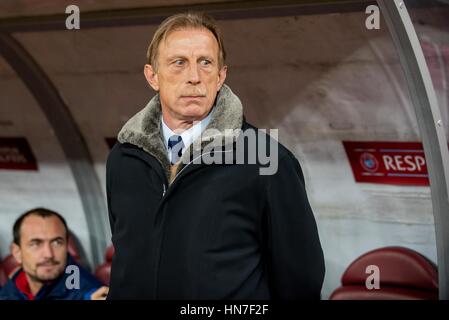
(217, 231)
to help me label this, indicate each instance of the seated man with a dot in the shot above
(46, 269)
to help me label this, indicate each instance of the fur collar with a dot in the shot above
(144, 129)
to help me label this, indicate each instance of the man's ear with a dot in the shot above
(16, 252)
(222, 77)
(151, 76)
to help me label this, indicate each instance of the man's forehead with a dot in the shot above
(185, 35)
(35, 226)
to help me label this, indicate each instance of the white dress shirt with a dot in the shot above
(188, 136)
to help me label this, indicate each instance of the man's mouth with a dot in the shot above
(193, 93)
(48, 264)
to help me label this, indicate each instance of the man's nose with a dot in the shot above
(194, 75)
(47, 251)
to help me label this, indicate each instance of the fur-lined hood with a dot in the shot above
(144, 128)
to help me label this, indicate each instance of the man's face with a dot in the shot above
(187, 74)
(43, 248)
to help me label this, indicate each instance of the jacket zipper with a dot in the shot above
(165, 189)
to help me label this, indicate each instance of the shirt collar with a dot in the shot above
(22, 284)
(21, 281)
(189, 135)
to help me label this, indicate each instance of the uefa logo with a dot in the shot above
(369, 162)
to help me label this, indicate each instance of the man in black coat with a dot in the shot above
(196, 210)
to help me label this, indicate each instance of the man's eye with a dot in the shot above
(179, 62)
(205, 62)
(57, 242)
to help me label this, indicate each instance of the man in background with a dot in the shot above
(41, 248)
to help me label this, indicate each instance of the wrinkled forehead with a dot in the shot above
(36, 227)
(185, 34)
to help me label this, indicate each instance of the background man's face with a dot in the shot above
(188, 75)
(43, 248)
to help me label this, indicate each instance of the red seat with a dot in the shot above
(103, 271)
(73, 249)
(109, 253)
(9, 265)
(403, 274)
(3, 276)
